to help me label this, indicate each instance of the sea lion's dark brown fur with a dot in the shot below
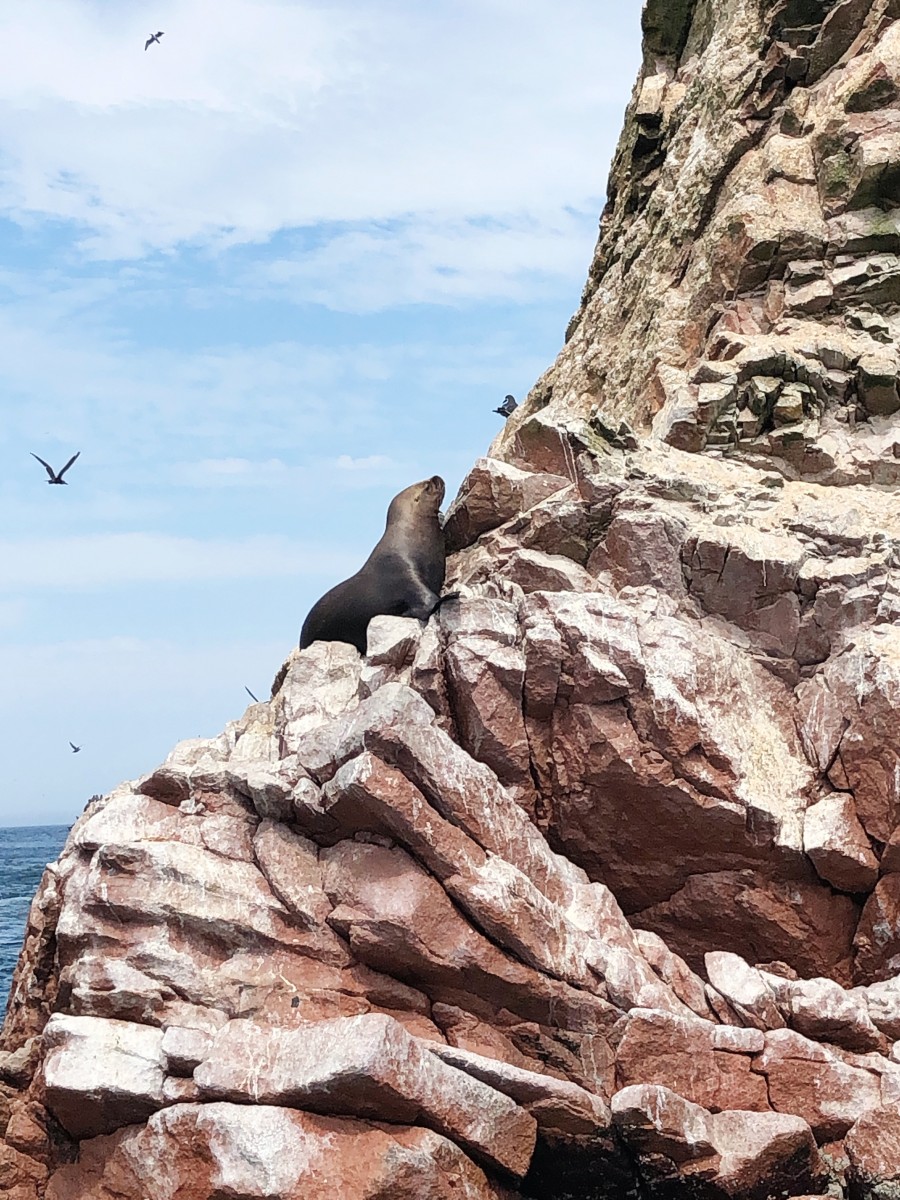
(402, 577)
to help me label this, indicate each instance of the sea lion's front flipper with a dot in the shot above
(443, 599)
(429, 603)
(423, 605)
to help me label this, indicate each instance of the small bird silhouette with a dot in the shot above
(250, 694)
(507, 407)
(55, 477)
(75, 748)
(154, 37)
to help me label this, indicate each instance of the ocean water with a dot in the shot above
(24, 852)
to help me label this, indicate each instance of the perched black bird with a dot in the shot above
(54, 476)
(75, 748)
(154, 37)
(250, 694)
(507, 407)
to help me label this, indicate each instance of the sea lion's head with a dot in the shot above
(421, 499)
(431, 492)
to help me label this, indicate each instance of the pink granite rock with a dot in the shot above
(809, 1080)
(681, 1054)
(837, 844)
(197, 1151)
(877, 941)
(873, 1147)
(735, 1153)
(366, 1066)
(100, 1075)
(821, 1009)
(746, 990)
(491, 494)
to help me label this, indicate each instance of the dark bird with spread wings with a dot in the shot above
(75, 748)
(55, 476)
(507, 407)
(154, 37)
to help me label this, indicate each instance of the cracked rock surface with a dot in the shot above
(590, 888)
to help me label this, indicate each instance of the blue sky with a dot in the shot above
(262, 276)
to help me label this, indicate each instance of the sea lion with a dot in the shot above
(402, 577)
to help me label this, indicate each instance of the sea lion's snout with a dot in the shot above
(436, 484)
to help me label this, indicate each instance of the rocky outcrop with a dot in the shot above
(591, 887)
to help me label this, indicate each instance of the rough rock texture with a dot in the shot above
(590, 888)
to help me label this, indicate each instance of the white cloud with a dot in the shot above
(255, 116)
(104, 559)
(129, 407)
(231, 472)
(84, 386)
(372, 462)
(274, 474)
(424, 261)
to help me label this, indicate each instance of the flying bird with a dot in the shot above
(55, 477)
(154, 37)
(250, 694)
(507, 407)
(75, 748)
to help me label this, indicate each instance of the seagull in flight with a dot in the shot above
(75, 748)
(154, 37)
(507, 407)
(55, 477)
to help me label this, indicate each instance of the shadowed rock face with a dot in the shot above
(589, 889)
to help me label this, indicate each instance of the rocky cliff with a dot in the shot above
(591, 888)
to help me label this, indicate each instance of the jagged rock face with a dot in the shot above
(709, 728)
(743, 295)
(590, 888)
